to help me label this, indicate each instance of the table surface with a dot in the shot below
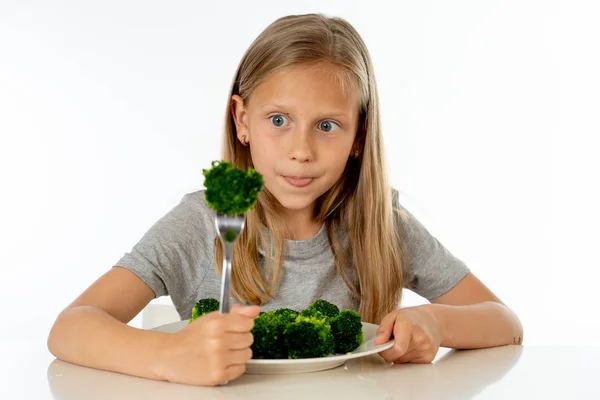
(29, 371)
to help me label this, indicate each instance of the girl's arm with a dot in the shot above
(468, 316)
(92, 331)
(471, 316)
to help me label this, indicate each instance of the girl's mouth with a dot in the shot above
(298, 181)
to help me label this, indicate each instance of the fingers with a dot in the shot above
(238, 323)
(248, 311)
(228, 365)
(233, 372)
(217, 324)
(412, 345)
(238, 357)
(384, 332)
(403, 332)
(409, 356)
(220, 376)
(239, 341)
(421, 360)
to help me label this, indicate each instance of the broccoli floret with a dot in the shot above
(268, 334)
(317, 331)
(313, 312)
(324, 307)
(204, 306)
(230, 190)
(308, 337)
(347, 331)
(287, 314)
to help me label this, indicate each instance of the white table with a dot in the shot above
(28, 371)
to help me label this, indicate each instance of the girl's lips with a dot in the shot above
(297, 181)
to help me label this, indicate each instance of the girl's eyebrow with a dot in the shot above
(273, 105)
(332, 113)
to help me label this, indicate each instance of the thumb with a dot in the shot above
(386, 328)
(248, 311)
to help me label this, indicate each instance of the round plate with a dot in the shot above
(285, 366)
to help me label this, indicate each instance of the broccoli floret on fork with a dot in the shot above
(230, 190)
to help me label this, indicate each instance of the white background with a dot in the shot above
(110, 110)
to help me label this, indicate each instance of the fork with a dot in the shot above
(229, 229)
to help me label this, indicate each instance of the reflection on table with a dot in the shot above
(454, 374)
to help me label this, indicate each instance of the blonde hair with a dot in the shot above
(357, 210)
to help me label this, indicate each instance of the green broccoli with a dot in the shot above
(230, 190)
(268, 334)
(347, 331)
(317, 331)
(308, 337)
(204, 306)
(313, 312)
(287, 314)
(324, 307)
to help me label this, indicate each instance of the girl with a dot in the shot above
(304, 113)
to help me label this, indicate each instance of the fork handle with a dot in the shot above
(226, 278)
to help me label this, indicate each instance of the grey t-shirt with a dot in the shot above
(175, 257)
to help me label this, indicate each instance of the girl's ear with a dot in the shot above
(238, 112)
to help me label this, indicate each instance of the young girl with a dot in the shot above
(304, 113)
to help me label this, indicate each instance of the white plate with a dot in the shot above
(284, 366)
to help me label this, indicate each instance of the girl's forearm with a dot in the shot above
(486, 324)
(91, 337)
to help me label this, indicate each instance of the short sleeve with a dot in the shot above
(170, 255)
(142, 261)
(432, 269)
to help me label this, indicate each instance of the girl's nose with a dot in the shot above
(301, 146)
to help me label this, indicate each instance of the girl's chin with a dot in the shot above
(295, 202)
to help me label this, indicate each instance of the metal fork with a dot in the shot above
(229, 229)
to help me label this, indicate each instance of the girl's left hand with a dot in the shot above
(416, 334)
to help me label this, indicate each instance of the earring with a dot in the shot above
(356, 153)
(243, 140)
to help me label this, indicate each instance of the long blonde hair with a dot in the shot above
(357, 210)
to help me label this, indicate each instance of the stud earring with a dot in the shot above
(243, 140)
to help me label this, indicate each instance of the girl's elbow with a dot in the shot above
(519, 331)
(53, 342)
(516, 327)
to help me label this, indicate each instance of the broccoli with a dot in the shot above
(287, 314)
(204, 306)
(230, 190)
(347, 331)
(324, 307)
(308, 337)
(268, 333)
(312, 312)
(319, 330)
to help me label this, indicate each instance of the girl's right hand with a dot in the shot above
(211, 350)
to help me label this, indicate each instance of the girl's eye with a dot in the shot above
(278, 120)
(328, 126)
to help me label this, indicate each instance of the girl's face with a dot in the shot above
(301, 126)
